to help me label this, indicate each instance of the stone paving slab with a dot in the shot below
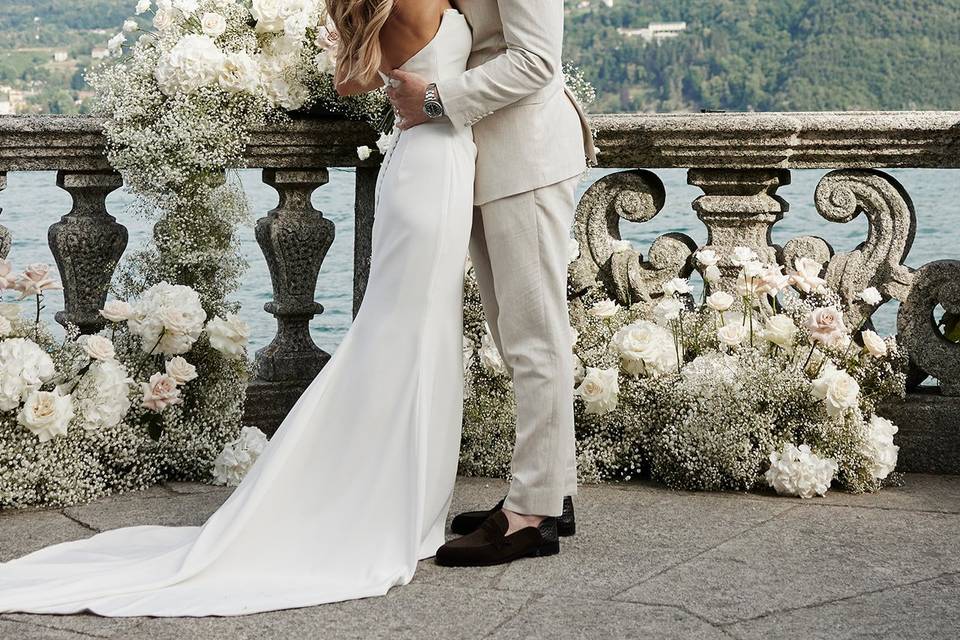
(647, 562)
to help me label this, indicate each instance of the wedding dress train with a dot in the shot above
(354, 487)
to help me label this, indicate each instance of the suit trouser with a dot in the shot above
(519, 247)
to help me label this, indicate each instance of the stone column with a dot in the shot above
(87, 244)
(363, 231)
(739, 208)
(5, 237)
(294, 238)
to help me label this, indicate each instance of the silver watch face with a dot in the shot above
(433, 109)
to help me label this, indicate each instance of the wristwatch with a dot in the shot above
(431, 102)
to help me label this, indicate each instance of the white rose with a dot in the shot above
(645, 348)
(676, 285)
(879, 448)
(162, 303)
(36, 279)
(160, 392)
(604, 309)
(364, 152)
(806, 275)
(326, 61)
(667, 310)
(269, 15)
(213, 24)
(115, 44)
(871, 296)
(874, 344)
(46, 414)
(129, 26)
(720, 301)
(143, 6)
(98, 347)
(116, 311)
(712, 274)
(573, 250)
(599, 390)
(239, 73)
(781, 331)
(825, 325)
(733, 333)
(180, 370)
(742, 256)
(228, 336)
(837, 389)
(707, 258)
(163, 19)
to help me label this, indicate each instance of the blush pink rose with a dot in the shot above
(826, 326)
(160, 392)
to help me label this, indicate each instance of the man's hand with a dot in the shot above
(407, 92)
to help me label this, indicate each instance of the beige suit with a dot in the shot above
(533, 143)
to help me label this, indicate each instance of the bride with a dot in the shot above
(355, 485)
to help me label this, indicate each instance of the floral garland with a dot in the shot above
(763, 384)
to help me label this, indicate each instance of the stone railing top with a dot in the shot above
(923, 139)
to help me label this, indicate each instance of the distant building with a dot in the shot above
(6, 107)
(60, 56)
(656, 31)
(99, 53)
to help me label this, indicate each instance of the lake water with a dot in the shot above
(32, 202)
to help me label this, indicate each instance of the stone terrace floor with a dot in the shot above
(646, 562)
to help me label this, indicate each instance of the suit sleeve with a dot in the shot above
(533, 31)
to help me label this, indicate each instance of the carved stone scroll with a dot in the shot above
(937, 283)
(637, 196)
(876, 262)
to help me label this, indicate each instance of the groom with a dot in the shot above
(533, 141)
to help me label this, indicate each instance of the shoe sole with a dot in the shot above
(545, 549)
(563, 530)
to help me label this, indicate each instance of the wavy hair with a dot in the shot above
(359, 23)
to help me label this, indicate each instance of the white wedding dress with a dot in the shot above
(355, 486)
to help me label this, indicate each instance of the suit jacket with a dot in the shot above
(529, 129)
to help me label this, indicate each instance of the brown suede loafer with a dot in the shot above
(490, 545)
(470, 521)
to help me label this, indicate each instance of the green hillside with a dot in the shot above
(772, 54)
(735, 54)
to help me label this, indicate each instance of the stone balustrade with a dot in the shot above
(738, 160)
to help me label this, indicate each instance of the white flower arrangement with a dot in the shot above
(761, 383)
(72, 424)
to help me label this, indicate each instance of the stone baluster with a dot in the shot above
(363, 231)
(739, 208)
(5, 237)
(294, 238)
(87, 244)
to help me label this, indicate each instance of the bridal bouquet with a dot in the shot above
(760, 383)
(107, 412)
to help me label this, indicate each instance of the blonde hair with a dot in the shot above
(359, 23)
